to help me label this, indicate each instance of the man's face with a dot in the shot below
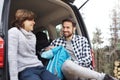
(68, 29)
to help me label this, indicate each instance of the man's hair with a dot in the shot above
(69, 20)
(20, 16)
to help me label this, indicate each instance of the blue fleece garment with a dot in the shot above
(55, 64)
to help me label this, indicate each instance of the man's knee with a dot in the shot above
(66, 65)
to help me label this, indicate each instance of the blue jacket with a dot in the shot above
(55, 64)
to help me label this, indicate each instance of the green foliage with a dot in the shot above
(97, 39)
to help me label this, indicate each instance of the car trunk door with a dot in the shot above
(68, 1)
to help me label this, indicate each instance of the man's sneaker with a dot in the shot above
(108, 77)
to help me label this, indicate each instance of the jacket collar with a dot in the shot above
(28, 35)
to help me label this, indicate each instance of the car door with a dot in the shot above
(4, 13)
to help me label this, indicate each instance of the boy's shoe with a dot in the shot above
(108, 77)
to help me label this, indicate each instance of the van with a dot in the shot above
(49, 13)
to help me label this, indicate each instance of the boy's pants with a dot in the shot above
(36, 73)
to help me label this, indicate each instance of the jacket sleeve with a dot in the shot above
(47, 54)
(53, 43)
(57, 42)
(86, 58)
(12, 54)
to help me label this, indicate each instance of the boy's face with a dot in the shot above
(28, 25)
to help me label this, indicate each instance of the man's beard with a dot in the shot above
(68, 35)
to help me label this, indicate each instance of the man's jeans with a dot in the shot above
(36, 73)
(73, 71)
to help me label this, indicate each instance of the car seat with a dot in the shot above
(41, 42)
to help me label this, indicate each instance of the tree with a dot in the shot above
(97, 41)
(114, 50)
(114, 28)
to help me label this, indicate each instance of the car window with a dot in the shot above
(1, 7)
(46, 32)
(58, 29)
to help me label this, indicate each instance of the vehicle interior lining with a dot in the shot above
(49, 13)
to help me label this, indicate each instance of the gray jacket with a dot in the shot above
(21, 51)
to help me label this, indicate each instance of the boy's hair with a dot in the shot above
(69, 20)
(20, 16)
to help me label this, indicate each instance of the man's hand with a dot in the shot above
(49, 47)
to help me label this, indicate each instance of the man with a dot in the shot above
(79, 65)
